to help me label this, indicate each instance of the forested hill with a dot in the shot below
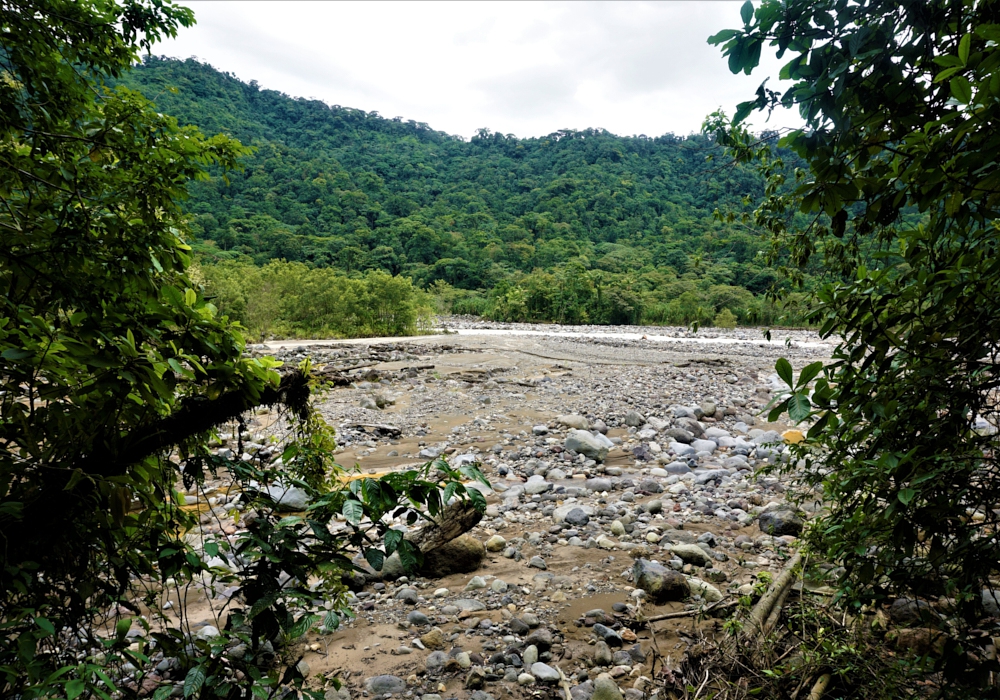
(339, 187)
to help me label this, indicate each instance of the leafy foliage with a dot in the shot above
(293, 299)
(900, 101)
(114, 371)
(588, 210)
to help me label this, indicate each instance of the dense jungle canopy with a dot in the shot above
(576, 226)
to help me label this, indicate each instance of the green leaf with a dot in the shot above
(212, 549)
(906, 495)
(17, 354)
(122, 627)
(331, 621)
(799, 407)
(784, 370)
(302, 625)
(963, 49)
(776, 412)
(724, 35)
(746, 12)
(193, 681)
(961, 90)
(353, 511)
(809, 373)
(392, 539)
(77, 685)
(163, 692)
(375, 557)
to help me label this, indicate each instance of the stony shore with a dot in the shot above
(624, 482)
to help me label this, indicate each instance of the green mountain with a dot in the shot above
(503, 218)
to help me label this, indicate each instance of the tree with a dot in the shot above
(115, 370)
(900, 102)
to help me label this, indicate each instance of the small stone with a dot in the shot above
(525, 679)
(634, 419)
(476, 679)
(544, 673)
(605, 688)
(541, 638)
(495, 544)
(433, 639)
(380, 685)
(498, 585)
(475, 583)
(602, 654)
(436, 660)
(537, 563)
(530, 655)
(415, 617)
(573, 421)
(617, 529)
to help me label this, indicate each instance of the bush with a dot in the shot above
(724, 319)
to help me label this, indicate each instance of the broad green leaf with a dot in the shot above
(799, 407)
(15, 354)
(809, 373)
(193, 681)
(963, 49)
(77, 686)
(746, 12)
(331, 621)
(724, 35)
(353, 511)
(392, 539)
(784, 370)
(906, 495)
(375, 557)
(961, 90)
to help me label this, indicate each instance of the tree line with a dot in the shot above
(625, 226)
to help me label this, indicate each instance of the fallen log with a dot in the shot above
(387, 429)
(454, 520)
(767, 604)
(719, 605)
(817, 690)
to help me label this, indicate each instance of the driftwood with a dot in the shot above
(454, 520)
(817, 690)
(769, 602)
(719, 605)
(387, 429)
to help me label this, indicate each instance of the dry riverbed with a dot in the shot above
(614, 457)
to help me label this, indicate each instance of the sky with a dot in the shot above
(523, 68)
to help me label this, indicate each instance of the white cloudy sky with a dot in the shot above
(527, 68)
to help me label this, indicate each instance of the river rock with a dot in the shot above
(544, 673)
(288, 498)
(780, 522)
(574, 421)
(679, 435)
(599, 484)
(495, 544)
(707, 591)
(380, 685)
(634, 419)
(541, 638)
(605, 688)
(661, 584)
(692, 554)
(586, 444)
(462, 555)
(537, 484)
